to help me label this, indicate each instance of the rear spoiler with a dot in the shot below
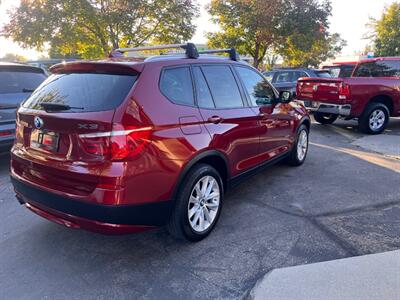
(98, 67)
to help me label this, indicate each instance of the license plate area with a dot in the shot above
(45, 140)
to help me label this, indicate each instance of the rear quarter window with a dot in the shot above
(88, 91)
(19, 81)
(176, 85)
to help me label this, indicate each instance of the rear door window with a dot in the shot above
(83, 91)
(204, 98)
(223, 86)
(176, 85)
(19, 81)
(258, 89)
(378, 69)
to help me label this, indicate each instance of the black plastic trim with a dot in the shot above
(150, 214)
(234, 181)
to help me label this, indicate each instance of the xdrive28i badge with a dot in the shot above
(38, 122)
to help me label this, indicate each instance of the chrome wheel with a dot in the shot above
(377, 120)
(203, 203)
(302, 145)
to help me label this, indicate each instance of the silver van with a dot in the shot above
(17, 82)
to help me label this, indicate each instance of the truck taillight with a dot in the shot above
(344, 91)
(122, 143)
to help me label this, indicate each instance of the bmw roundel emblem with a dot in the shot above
(38, 122)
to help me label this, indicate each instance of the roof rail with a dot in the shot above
(190, 49)
(233, 55)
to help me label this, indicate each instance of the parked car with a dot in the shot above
(341, 70)
(17, 82)
(286, 79)
(123, 145)
(45, 64)
(371, 95)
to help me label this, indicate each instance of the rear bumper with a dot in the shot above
(329, 108)
(95, 217)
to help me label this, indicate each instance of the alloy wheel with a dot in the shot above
(377, 120)
(302, 145)
(203, 204)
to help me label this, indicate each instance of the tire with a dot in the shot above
(198, 226)
(374, 118)
(324, 118)
(297, 158)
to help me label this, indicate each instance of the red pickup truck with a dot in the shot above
(371, 94)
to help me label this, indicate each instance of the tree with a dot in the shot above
(386, 32)
(296, 30)
(305, 37)
(91, 28)
(11, 57)
(248, 25)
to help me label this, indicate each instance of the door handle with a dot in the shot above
(215, 119)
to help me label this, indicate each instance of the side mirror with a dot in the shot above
(285, 97)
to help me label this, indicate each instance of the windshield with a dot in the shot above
(88, 91)
(15, 81)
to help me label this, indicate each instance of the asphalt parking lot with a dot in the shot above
(344, 201)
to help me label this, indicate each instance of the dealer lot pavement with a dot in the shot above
(344, 201)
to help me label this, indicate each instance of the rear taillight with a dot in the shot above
(122, 143)
(344, 91)
(6, 133)
(99, 146)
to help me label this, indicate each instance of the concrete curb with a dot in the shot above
(368, 277)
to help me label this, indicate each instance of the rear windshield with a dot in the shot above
(18, 81)
(346, 71)
(323, 74)
(83, 91)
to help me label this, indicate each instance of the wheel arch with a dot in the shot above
(306, 121)
(214, 158)
(384, 99)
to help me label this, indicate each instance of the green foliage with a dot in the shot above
(296, 30)
(11, 57)
(386, 32)
(91, 28)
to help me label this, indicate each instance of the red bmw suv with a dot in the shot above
(126, 144)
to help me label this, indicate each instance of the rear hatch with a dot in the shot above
(327, 90)
(17, 82)
(76, 102)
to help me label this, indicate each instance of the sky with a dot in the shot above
(348, 19)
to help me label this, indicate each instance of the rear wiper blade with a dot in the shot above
(57, 106)
(27, 90)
